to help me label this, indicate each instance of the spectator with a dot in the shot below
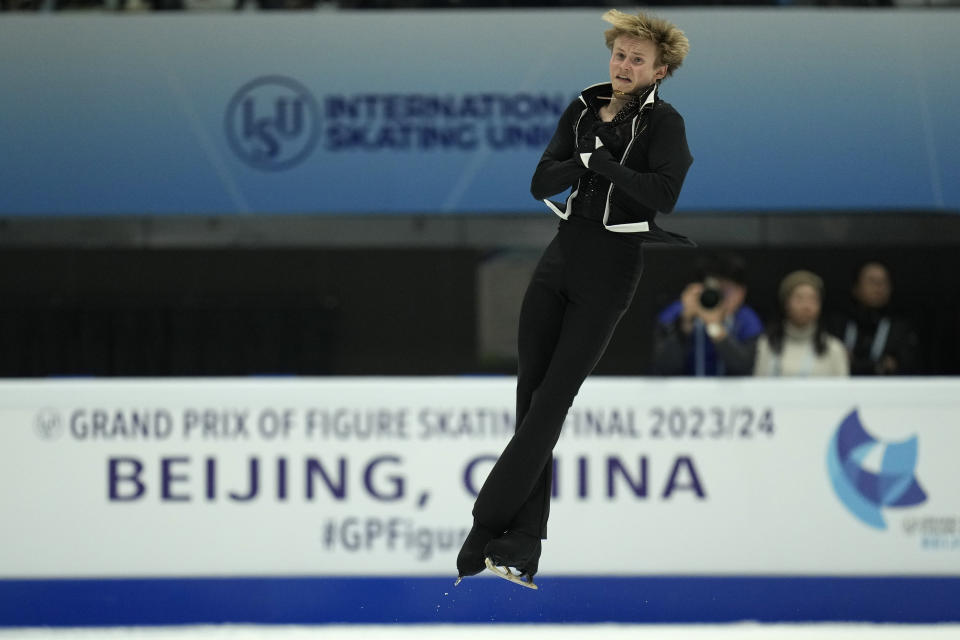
(709, 331)
(877, 342)
(797, 345)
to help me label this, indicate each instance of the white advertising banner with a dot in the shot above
(376, 476)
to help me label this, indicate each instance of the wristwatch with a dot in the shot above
(715, 330)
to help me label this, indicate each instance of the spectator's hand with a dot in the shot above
(690, 299)
(733, 299)
(887, 365)
(717, 314)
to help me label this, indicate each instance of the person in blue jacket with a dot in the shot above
(709, 331)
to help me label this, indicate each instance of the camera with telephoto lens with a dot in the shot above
(720, 274)
(711, 296)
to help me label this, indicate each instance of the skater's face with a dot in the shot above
(633, 64)
(873, 286)
(803, 305)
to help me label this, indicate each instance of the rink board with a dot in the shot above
(345, 500)
(478, 600)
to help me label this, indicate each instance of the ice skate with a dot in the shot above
(522, 579)
(470, 560)
(514, 550)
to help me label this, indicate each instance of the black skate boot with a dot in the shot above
(470, 560)
(518, 550)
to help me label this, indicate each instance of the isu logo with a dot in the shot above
(869, 475)
(47, 424)
(272, 123)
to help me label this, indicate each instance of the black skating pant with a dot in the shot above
(581, 287)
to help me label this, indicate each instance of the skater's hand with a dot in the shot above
(608, 134)
(588, 143)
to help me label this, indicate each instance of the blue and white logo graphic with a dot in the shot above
(272, 123)
(868, 474)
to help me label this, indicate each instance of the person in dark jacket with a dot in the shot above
(709, 331)
(878, 341)
(622, 152)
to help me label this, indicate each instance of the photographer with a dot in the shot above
(709, 331)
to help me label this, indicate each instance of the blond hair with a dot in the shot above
(671, 43)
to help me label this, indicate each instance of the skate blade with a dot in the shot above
(507, 574)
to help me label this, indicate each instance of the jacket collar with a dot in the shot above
(605, 89)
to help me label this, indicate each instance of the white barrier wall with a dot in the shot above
(374, 476)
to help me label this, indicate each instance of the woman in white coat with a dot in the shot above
(797, 345)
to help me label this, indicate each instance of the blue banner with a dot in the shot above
(448, 112)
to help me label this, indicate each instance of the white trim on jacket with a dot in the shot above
(627, 227)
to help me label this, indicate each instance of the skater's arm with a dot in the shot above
(669, 159)
(559, 167)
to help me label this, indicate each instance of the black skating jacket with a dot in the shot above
(645, 181)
